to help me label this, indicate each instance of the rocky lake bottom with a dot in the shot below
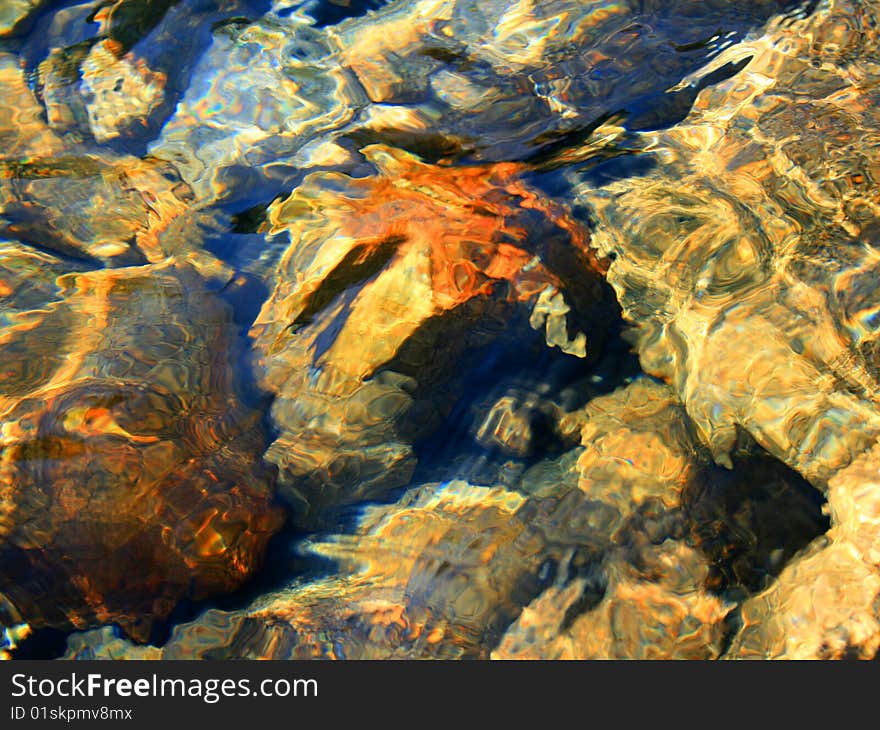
(434, 329)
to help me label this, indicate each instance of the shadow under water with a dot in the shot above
(436, 329)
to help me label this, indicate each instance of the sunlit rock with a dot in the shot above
(746, 258)
(118, 92)
(564, 566)
(113, 70)
(661, 611)
(97, 87)
(647, 598)
(92, 208)
(533, 72)
(494, 81)
(438, 574)
(824, 605)
(743, 258)
(13, 12)
(130, 472)
(261, 93)
(81, 204)
(389, 283)
(23, 131)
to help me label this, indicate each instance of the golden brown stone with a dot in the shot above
(745, 258)
(582, 568)
(387, 283)
(436, 575)
(79, 203)
(118, 92)
(747, 262)
(129, 471)
(647, 598)
(825, 603)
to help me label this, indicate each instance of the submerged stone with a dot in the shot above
(130, 474)
(740, 258)
(389, 283)
(437, 574)
(13, 12)
(648, 597)
(747, 260)
(740, 240)
(569, 564)
(445, 79)
(824, 604)
(81, 204)
(458, 570)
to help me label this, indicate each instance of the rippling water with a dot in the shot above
(439, 329)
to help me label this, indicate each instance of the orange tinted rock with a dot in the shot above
(436, 575)
(387, 283)
(130, 474)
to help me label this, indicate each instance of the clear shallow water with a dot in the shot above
(437, 330)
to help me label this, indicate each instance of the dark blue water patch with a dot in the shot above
(799, 10)
(622, 160)
(613, 169)
(242, 245)
(523, 363)
(234, 248)
(553, 183)
(331, 12)
(43, 644)
(665, 111)
(245, 296)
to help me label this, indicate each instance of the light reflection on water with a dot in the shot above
(530, 319)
